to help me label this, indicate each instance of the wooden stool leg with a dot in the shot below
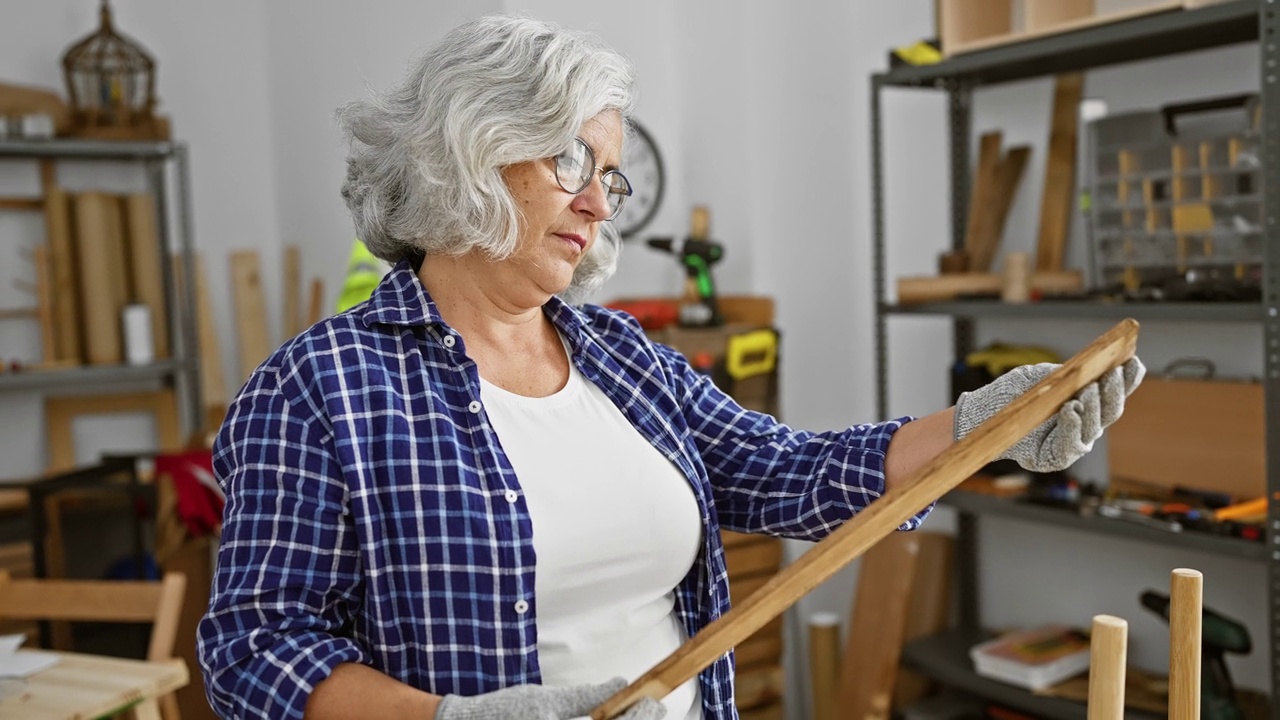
(1107, 652)
(1185, 608)
(824, 663)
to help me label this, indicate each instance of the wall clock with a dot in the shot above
(642, 164)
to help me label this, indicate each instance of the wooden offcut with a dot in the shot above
(898, 504)
(929, 608)
(874, 644)
(1060, 173)
(100, 302)
(292, 291)
(146, 259)
(253, 340)
(62, 269)
(941, 288)
(979, 239)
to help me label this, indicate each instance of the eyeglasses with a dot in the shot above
(576, 166)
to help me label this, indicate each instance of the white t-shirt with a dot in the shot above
(615, 528)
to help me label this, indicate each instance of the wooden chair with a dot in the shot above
(123, 601)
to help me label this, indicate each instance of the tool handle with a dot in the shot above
(880, 518)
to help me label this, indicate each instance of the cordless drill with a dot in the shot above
(1218, 635)
(697, 253)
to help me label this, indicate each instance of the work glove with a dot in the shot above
(1063, 438)
(538, 702)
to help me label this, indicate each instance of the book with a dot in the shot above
(1033, 659)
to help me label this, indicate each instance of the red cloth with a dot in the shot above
(199, 500)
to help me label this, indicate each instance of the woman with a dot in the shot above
(469, 498)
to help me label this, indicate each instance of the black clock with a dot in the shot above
(642, 165)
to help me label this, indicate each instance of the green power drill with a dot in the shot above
(1218, 635)
(698, 308)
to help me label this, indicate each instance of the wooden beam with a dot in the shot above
(880, 518)
(1060, 173)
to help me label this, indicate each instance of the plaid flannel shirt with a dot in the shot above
(373, 518)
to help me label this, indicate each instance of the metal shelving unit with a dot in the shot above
(167, 177)
(945, 657)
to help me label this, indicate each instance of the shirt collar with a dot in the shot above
(400, 299)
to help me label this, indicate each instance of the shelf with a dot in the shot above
(86, 149)
(86, 377)
(979, 504)
(1140, 38)
(1086, 309)
(945, 658)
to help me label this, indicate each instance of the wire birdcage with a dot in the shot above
(110, 79)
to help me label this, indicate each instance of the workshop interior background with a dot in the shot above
(761, 111)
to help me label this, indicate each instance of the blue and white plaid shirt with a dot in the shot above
(373, 518)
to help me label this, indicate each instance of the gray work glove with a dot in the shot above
(538, 702)
(1063, 438)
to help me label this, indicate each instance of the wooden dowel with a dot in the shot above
(10, 203)
(824, 663)
(880, 518)
(1185, 602)
(1107, 651)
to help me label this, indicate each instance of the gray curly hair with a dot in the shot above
(425, 158)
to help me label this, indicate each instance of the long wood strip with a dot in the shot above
(44, 305)
(292, 291)
(100, 307)
(62, 266)
(880, 518)
(251, 311)
(147, 260)
(1185, 607)
(1060, 172)
(977, 238)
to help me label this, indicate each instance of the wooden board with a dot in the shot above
(91, 686)
(873, 647)
(1060, 173)
(762, 556)
(292, 291)
(146, 259)
(880, 518)
(253, 340)
(99, 304)
(929, 610)
(979, 239)
(315, 306)
(62, 268)
(1008, 176)
(44, 305)
(1003, 34)
(1205, 434)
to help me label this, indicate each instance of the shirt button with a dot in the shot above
(449, 341)
(512, 496)
(522, 607)
(474, 407)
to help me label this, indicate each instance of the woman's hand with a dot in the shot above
(1063, 438)
(538, 702)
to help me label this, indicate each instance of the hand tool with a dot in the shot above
(697, 253)
(881, 517)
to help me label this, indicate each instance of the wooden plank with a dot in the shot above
(91, 686)
(315, 308)
(44, 305)
(1048, 15)
(964, 22)
(213, 388)
(292, 291)
(146, 259)
(881, 518)
(754, 558)
(930, 608)
(1008, 176)
(253, 340)
(11, 203)
(978, 240)
(1060, 171)
(118, 265)
(874, 642)
(99, 306)
(62, 265)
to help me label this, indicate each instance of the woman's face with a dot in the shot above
(557, 227)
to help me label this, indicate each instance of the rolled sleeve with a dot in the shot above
(287, 580)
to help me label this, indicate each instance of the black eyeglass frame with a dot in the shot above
(610, 192)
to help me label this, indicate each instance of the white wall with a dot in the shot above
(761, 111)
